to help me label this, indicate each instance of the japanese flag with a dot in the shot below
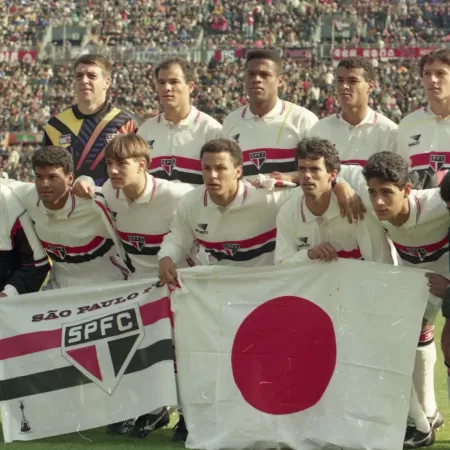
(303, 356)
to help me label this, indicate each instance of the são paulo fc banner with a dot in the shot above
(79, 358)
(301, 356)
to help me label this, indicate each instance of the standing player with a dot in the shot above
(309, 224)
(86, 127)
(23, 263)
(268, 128)
(176, 136)
(357, 131)
(76, 234)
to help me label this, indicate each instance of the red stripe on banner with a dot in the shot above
(180, 162)
(25, 344)
(426, 159)
(95, 243)
(270, 153)
(430, 248)
(244, 244)
(352, 254)
(150, 239)
(39, 341)
(355, 162)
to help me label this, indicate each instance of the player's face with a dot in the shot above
(352, 88)
(220, 174)
(314, 177)
(52, 185)
(125, 172)
(91, 84)
(436, 80)
(172, 88)
(387, 199)
(262, 80)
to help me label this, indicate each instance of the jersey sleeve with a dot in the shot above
(33, 264)
(23, 191)
(373, 242)
(178, 242)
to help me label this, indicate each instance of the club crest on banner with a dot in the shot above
(102, 347)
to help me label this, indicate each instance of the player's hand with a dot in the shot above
(349, 202)
(83, 189)
(168, 272)
(284, 177)
(324, 252)
(437, 284)
(2, 294)
(445, 341)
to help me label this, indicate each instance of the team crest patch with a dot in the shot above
(168, 164)
(137, 242)
(65, 139)
(58, 251)
(418, 252)
(231, 249)
(102, 347)
(258, 159)
(437, 161)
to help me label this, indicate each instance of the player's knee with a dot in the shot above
(426, 335)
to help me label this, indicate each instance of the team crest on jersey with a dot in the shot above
(258, 159)
(437, 161)
(65, 139)
(231, 249)
(137, 242)
(110, 136)
(150, 144)
(102, 347)
(168, 164)
(418, 252)
(58, 251)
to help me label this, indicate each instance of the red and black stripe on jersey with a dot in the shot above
(243, 250)
(96, 248)
(177, 168)
(424, 253)
(141, 244)
(267, 160)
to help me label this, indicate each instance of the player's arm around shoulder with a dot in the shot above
(24, 191)
(374, 243)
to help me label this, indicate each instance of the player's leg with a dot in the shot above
(180, 432)
(147, 423)
(445, 346)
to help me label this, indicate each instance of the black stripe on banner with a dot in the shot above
(68, 377)
(244, 255)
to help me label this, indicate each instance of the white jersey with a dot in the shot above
(78, 238)
(142, 224)
(424, 141)
(241, 234)
(422, 241)
(356, 144)
(298, 230)
(175, 149)
(268, 143)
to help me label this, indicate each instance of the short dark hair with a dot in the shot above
(445, 188)
(224, 145)
(388, 167)
(265, 53)
(94, 60)
(356, 62)
(53, 156)
(184, 64)
(125, 146)
(316, 148)
(443, 55)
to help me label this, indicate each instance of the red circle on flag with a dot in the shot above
(284, 355)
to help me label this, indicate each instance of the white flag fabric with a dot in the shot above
(79, 358)
(304, 356)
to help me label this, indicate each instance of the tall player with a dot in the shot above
(423, 139)
(176, 135)
(86, 127)
(357, 131)
(268, 129)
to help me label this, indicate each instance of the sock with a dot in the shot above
(423, 375)
(417, 414)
